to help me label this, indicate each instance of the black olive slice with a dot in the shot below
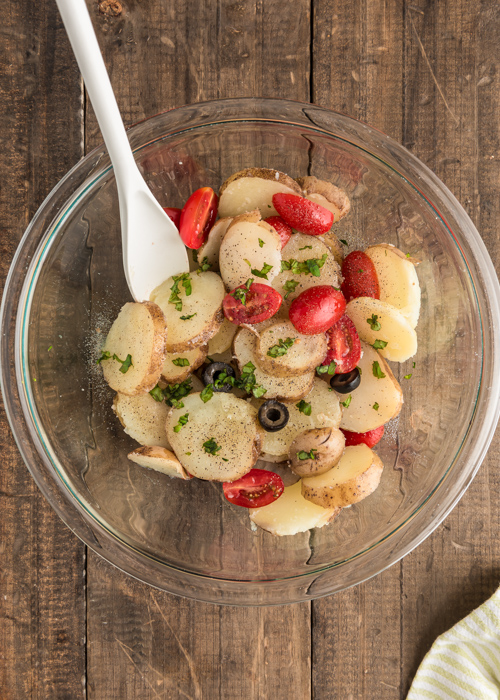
(273, 415)
(213, 371)
(345, 383)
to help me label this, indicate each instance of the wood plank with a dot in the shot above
(358, 70)
(42, 601)
(144, 643)
(452, 123)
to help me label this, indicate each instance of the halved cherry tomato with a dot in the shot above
(256, 489)
(251, 305)
(316, 309)
(344, 347)
(197, 217)
(370, 438)
(173, 213)
(360, 277)
(283, 230)
(302, 214)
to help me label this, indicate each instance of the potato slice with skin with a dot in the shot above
(143, 418)
(326, 195)
(254, 188)
(355, 477)
(230, 422)
(301, 247)
(398, 281)
(174, 374)
(375, 401)
(139, 331)
(395, 328)
(241, 251)
(223, 339)
(326, 445)
(210, 249)
(306, 353)
(325, 413)
(204, 304)
(281, 388)
(159, 459)
(291, 513)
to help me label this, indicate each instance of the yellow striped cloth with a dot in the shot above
(464, 662)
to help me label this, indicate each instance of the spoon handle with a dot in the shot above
(81, 34)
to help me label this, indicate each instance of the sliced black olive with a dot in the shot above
(213, 371)
(273, 415)
(345, 383)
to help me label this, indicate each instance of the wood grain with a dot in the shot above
(42, 586)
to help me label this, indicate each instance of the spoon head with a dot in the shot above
(152, 247)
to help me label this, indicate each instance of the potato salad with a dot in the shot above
(270, 356)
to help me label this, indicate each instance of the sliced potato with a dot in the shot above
(249, 244)
(173, 373)
(159, 459)
(395, 329)
(287, 389)
(375, 401)
(139, 331)
(301, 247)
(398, 281)
(306, 353)
(223, 339)
(326, 195)
(224, 422)
(143, 418)
(316, 451)
(325, 413)
(254, 188)
(204, 304)
(210, 249)
(355, 477)
(291, 513)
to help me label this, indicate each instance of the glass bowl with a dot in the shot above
(66, 285)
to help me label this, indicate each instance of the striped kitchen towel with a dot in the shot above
(464, 662)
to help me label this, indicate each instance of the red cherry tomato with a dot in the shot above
(302, 214)
(173, 213)
(316, 309)
(370, 438)
(253, 305)
(344, 347)
(281, 227)
(256, 489)
(197, 217)
(360, 277)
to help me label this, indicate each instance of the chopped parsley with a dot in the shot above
(211, 447)
(311, 266)
(407, 376)
(342, 240)
(195, 256)
(304, 407)
(241, 293)
(174, 298)
(207, 393)
(407, 255)
(49, 348)
(181, 362)
(306, 247)
(307, 455)
(413, 365)
(126, 363)
(262, 273)
(182, 422)
(281, 348)
(375, 406)
(289, 286)
(327, 369)
(347, 402)
(248, 383)
(186, 318)
(172, 393)
(377, 371)
(373, 323)
(379, 344)
(205, 265)
(261, 242)
(157, 393)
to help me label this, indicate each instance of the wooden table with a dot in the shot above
(423, 71)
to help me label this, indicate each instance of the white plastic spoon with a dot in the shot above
(152, 247)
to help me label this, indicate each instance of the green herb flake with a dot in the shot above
(240, 293)
(281, 348)
(347, 402)
(126, 363)
(306, 247)
(342, 240)
(304, 407)
(211, 447)
(407, 376)
(224, 459)
(248, 382)
(407, 255)
(49, 348)
(187, 453)
(261, 243)
(360, 272)
(205, 265)
(195, 256)
(289, 287)
(379, 344)
(105, 355)
(413, 365)
(327, 369)
(373, 323)
(157, 394)
(262, 273)
(186, 318)
(307, 455)
(173, 393)
(377, 371)
(312, 266)
(375, 406)
(181, 362)
(174, 298)
(207, 393)
(182, 422)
